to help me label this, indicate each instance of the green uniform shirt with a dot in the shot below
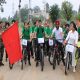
(26, 33)
(78, 30)
(32, 28)
(45, 30)
(40, 32)
(48, 31)
(65, 33)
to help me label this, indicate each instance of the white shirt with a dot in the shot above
(72, 37)
(58, 34)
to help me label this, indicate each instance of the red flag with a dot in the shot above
(11, 42)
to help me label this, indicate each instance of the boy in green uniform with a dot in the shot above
(78, 31)
(32, 28)
(65, 30)
(39, 30)
(26, 36)
(79, 40)
(48, 33)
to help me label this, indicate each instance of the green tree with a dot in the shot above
(79, 9)
(54, 13)
(47, 7)
(36, 9)
(16, 17)
(78, 16)
(4, 19)
(37, 18)
(23, 13)
(66, 10)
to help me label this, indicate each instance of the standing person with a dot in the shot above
(58, 33)
(1, 49)
(26, 36)
(72, 38)
(7, 24)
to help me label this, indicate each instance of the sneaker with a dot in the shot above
(29, 63)
(37, 64)
(74, 69)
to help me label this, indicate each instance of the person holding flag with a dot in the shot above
(11, 41)
(1, 49)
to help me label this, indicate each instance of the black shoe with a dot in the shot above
(37, 64)
(64, 63)
(29, 63)
(1, 64)
(32, 57)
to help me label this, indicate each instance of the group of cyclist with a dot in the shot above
(60, 35)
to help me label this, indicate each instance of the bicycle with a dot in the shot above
(68, 59)
(54, 54)
(24, 52)
(41, 52)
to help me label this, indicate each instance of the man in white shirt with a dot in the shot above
(58, 33)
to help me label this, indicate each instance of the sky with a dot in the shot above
(9, 10)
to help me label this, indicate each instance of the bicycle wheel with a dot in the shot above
(50, 57)
(54, 61)
(77, 56)
(66, 63)
(23, 59)
(22, 64)
(58, 58)
(42, 59)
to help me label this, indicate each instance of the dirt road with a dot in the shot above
(33, 73)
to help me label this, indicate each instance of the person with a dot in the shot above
(7, 24)
(1, 49)
(48, 33)
(32, 38)
(26, 36)
(35, 38)
(66, 30)
(39, 34)
(58, 33)
(13, 21)
(0, 25)
(72, 38)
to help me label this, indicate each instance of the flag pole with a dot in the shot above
(19, 11)
(29, 17)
